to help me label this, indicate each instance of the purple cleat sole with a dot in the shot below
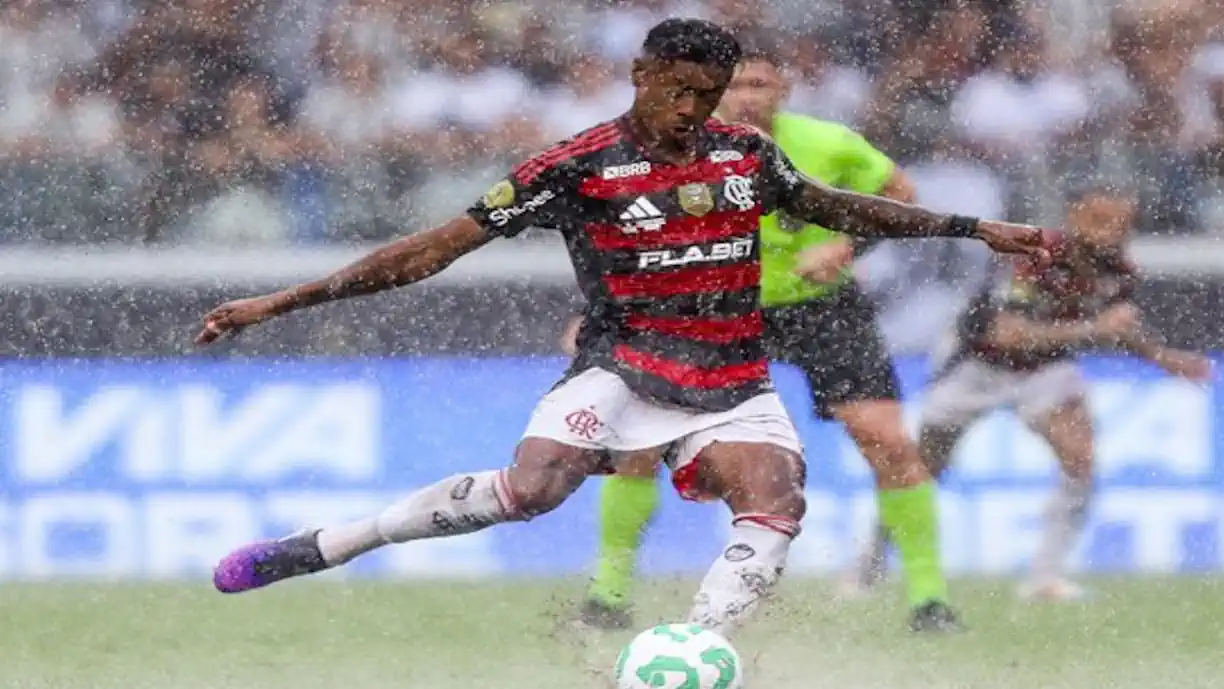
(242, 570)
(267, 562)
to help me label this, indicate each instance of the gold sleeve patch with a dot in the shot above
(500, 195)
(1021, 291)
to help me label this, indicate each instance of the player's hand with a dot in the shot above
(231, 317)
(825, 262)
(1189, 365)
(1010, 238)
(1118, 322)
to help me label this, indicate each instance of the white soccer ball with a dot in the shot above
(679, 656)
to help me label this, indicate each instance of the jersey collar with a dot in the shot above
(702, 144)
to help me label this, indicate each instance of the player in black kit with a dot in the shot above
(659, 210)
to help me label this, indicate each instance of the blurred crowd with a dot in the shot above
(306, 121)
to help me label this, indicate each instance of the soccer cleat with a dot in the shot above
(267, 562)
(1053, 590)
(603, 616)
(934, 616)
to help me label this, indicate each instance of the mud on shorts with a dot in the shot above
(970, 388)
(836, 342)
(595, 410)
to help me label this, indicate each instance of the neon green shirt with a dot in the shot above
(837, 156)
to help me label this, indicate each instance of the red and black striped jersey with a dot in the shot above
(666, 255)
(1078, 285)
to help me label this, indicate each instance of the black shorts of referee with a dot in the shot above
(836, 341)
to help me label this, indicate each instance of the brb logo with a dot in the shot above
(721, 251)
(630, 170)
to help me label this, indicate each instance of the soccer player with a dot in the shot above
(659, 209)
(817, 319)
(1015, 347)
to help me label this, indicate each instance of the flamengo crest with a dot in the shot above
(738, 190)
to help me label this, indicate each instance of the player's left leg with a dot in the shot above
(1057, 410)
(627, 503)
(545, 472)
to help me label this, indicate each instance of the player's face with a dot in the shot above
(1102, 221)
(676, 98)
(756, 93)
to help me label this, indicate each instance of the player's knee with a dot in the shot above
(541, 487)
(777, 487)
(792, 504)
(541, 479)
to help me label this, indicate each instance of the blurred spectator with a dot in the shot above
(354, 119)
(909, 115)
(462, 90)
(36, 45)
(591, 93)
(822, 87)
(349, 123)
(1017, 103)
(1014, 112)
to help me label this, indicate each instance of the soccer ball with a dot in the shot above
(679, 656)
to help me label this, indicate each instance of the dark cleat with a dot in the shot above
(934, 616)
(259, 564)
(603, 616)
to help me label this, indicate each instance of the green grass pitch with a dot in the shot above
(1136, 634)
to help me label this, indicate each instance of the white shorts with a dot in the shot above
(595, 410)
(973, 387)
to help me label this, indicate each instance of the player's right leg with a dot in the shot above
(544, 474)
(627, 503)
(563, 445)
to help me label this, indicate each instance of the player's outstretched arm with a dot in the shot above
(1013, 331)
(402, 262)
(875, 216)
(1177, 362)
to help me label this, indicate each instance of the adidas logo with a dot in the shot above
(642, 215)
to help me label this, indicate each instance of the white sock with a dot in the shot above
(744, 574)
(1065, 518)
(456, 505)
(872, 564)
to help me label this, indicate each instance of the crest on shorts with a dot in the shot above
(695, 199)
(500, 195)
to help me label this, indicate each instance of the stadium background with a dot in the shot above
(158, 157)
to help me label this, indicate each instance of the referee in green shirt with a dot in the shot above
(818, 320)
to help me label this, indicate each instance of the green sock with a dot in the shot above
(626, 504)
(911, 517)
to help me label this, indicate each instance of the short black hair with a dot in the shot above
(759, 46)
(693, 40)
